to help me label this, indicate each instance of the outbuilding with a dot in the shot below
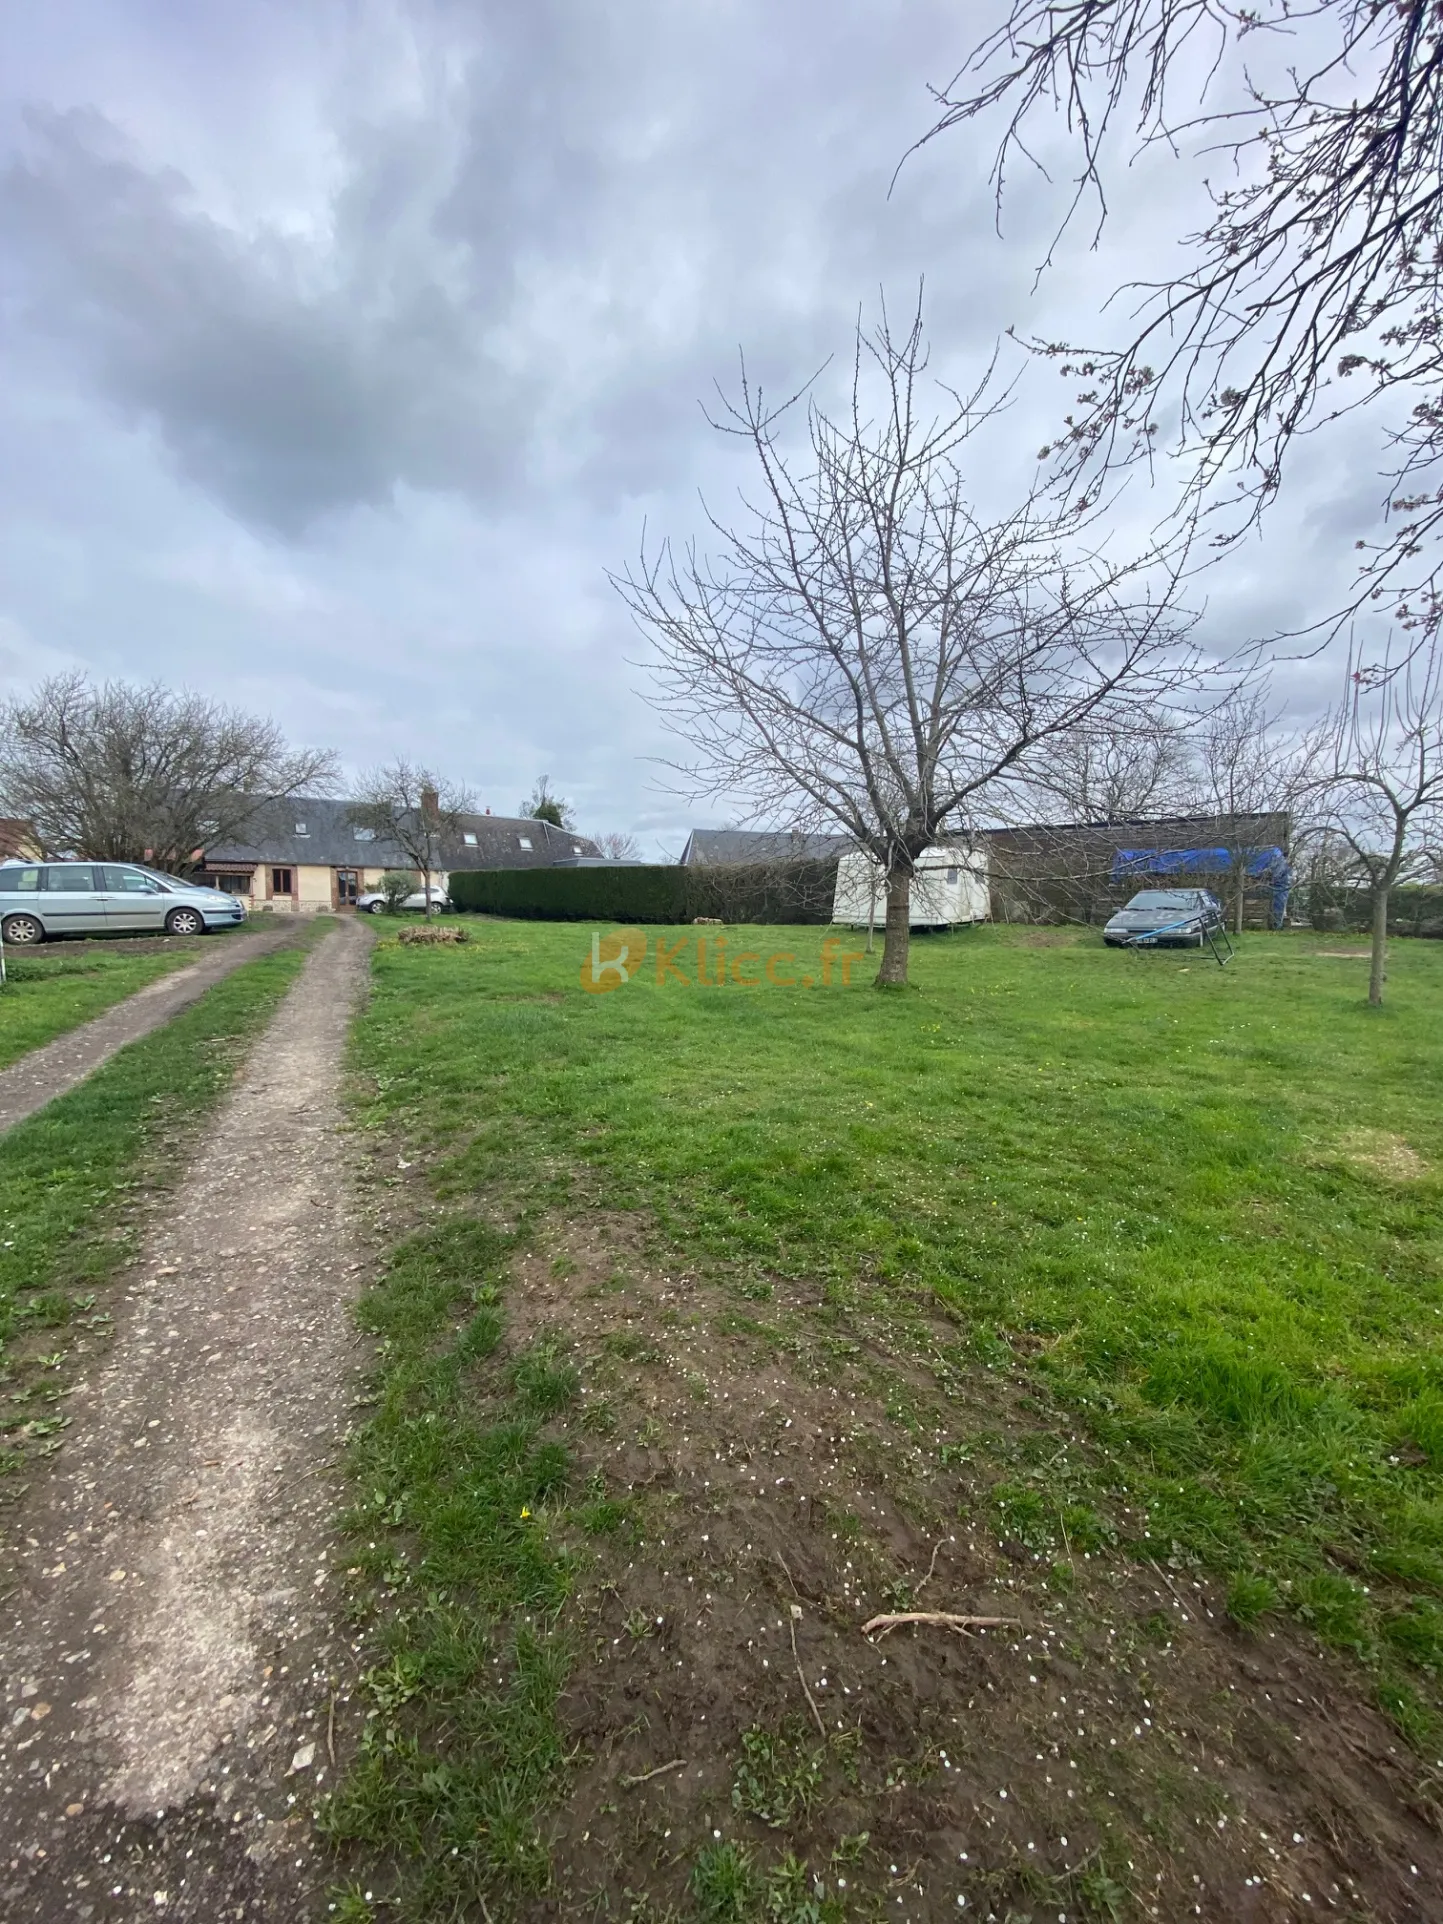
(949, 888)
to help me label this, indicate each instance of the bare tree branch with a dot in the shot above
(416, 810)
(127, 773)
(866, 650)
(1314, 288)
(1376, 767)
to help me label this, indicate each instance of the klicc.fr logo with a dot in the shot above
(617, 958)
(614, 959)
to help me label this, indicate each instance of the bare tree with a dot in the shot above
(1331, 877)
(415, 810)
(867, 650)
(127, 773)
(1114, 768)
(1243, 767)
(1315, 285)
(1377, 764)
(617, 847)
(544, 806)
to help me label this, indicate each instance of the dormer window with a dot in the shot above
(524, 840)
(469, 839)
(364, 834)
(576, 848)
(301, 829)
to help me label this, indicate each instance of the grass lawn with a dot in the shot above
(74, 1179)
(1126, 1276)
(50, 990)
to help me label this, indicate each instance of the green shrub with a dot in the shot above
(789, 892)
(396, 885)
(1250, 1597)
(725, 1884)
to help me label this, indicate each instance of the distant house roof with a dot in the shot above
(498, 843)
(318, 830)
(17, 838)
(761, 845)
(596, 861)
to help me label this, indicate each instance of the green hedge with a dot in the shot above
(1413, 909)
(770, 892)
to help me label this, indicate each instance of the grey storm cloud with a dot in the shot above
(349, 343)
(287, 384)
(526, 274)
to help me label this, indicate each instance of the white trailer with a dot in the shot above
(949, 887)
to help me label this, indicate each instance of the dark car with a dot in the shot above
(1166, 918)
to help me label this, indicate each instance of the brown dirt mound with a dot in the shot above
(785, 1466)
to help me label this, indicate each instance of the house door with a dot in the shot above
(348, 887)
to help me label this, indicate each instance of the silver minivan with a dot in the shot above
(40, 899)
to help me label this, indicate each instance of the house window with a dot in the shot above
(524, 840)
(469, 839)
(364, 834)
(301, 829)
(280, 881)
(952, 875)
(232, 884)
(576, 848)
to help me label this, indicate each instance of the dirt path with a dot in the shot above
(44, 1074)
(167, 1633)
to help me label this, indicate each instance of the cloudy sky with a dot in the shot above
(347, 345)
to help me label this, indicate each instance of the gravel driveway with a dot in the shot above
(44, 1074)
(167, 1634)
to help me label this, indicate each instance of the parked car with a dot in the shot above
(374, 903)
(1166, 918)
(41, 899)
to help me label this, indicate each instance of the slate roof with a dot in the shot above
(761, 845)
(316, 830)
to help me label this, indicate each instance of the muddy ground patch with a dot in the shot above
(758, 1471)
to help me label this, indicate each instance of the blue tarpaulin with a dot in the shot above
(1264, 864)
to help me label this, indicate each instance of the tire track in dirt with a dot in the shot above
(38, 1078)
(168, 1636)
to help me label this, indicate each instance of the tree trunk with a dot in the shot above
(895, 948)
(1242, 893)
(426, 890)
(1377, 971)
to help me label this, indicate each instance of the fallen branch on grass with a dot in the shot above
(940, 1619)
(794, 1620)
(930, 1568)
(630, 1783)
(432, 938)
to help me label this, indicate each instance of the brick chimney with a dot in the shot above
(430, 801)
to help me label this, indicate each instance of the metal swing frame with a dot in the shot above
(1222, 953)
